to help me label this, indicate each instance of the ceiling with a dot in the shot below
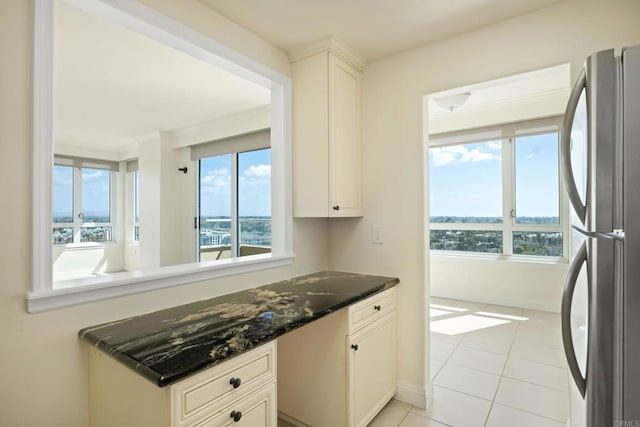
(520, 87)
(535, 94)
(113, 85)
(373, 28)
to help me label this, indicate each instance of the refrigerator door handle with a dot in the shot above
(565, 146)
(617, 234)
(565, 317)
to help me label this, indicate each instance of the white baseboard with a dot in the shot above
(526, 303)
(414, 395)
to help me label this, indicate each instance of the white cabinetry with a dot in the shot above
(326, 135)
(239, 392)
(372, 359)
(359, 344)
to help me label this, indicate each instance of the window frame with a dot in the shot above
(45, 294)
(131, 223)
(235, 231)
(78, 223)
(507, 135)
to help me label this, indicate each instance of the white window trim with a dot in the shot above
(78, 223)
(227, 149)
(129, 202)
(134, 15)
(507, 133)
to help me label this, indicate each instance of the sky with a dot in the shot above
(254, 184)
(95, 191)
(254, 187)
(466, 180)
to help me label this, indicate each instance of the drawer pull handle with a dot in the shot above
(377, 307)
(354, 346)
(336, 208)
(236, 415)
(235, 382)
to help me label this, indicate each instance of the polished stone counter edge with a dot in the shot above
(168, 345)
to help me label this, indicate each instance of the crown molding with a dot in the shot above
(334, 45)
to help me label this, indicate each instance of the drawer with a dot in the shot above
(209, 391)
(371, 309)
(255, 410)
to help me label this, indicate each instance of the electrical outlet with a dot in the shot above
(377, 235)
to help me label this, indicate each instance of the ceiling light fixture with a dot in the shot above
(452, 101)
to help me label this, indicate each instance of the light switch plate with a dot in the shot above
(377, 235)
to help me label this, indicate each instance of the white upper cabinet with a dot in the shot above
(326, 135)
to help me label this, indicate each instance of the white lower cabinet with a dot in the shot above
(255, 410)
(340, 371)
(238, 392)
(371, 382)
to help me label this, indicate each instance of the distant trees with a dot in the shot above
(466, 240)
(493, 220)
(540, 243)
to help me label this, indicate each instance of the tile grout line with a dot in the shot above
(477, 369)
(493, 401)
(405, 416)
(422, 416)
(536, 384)
(531, 413)
(462, 392)
(507, 356)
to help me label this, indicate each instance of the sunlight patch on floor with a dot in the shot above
(464, 324)
(447, 307)
(434, 312)
(502, 316)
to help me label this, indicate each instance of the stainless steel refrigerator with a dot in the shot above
(600, 155)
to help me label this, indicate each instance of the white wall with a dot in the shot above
(82, 262)
(167, 202)
(43, 364)
(518, 284)
(393, 143)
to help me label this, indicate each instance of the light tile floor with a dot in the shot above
(491, 366)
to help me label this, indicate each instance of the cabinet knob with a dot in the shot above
(354, 346)
(336, 208)
(236, 415)
(235, 382)
(377, 307)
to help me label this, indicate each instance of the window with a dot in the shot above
(497, 191)
(136, 209)
(47, 291)
(234, 202)
(132, 203)
(82, 200)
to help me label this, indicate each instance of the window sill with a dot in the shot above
(84, 245)
(77, 291)
(529, 260)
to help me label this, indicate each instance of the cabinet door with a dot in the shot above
(372, 369)
(344, 139)
(255, 410)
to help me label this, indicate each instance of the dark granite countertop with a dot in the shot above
(168, 345)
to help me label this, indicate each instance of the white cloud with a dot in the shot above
(442, 156)
(494, 145)
(256, 177)
(216, 180)
(91, 176)
(258, 171)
